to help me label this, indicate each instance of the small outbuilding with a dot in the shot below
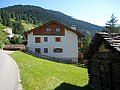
(14, 47)
(104, 61)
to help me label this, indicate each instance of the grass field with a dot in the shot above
(40, 74)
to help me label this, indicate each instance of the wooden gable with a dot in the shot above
(52, 26)
(103, 49)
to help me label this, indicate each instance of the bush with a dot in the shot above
(17, 39)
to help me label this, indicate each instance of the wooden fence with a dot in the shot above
(60, 60)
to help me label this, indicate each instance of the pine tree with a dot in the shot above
(9, 23)
(112, 22)
(112, 25)
(18, 28)
(4, 21)
(13, 15)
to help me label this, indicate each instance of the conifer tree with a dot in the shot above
(112, 26)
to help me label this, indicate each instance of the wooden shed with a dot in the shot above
(104, 61)
(14, 47)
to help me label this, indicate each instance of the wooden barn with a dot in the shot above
(104, 61)
(14, 47)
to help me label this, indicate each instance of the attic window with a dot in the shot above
(57, 29)
(103, 49)
(48, 30)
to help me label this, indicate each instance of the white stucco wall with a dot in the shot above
(8, 30)
(69, 43)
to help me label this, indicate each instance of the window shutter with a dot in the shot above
(37, 39)
(57, 39)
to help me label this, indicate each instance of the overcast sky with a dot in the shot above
(93, 11)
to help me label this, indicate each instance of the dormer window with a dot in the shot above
(48, 30)
(57, 29)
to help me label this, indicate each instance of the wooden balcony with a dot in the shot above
(80, 56)
(80, 45)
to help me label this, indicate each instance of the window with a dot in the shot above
(57, 29)
(45, 39)
(37, 39)
(58, 50)
(37, 50)
(57, 39)
(45, 50)
(48, 30)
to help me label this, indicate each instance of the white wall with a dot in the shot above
(8, 30)
(69, 43)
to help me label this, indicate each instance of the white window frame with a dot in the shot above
(48, 30)
(58, 29)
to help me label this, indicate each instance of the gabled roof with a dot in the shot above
(111, 40)
(51, 22)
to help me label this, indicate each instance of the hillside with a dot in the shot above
(37, 15)
(27, 26)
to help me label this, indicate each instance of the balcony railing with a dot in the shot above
(80, 44)
(80, 55)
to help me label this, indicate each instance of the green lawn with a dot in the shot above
(40, 74)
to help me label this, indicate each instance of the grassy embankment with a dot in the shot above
(40, 74)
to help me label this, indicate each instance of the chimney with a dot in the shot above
(73, 27)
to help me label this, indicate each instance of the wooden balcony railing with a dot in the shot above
(80, 45)
(80, 56)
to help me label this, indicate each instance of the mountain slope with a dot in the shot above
(43, 15)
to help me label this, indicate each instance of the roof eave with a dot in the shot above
(68, 28)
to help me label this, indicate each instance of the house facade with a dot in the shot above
(9, 32)
(54, 39)
(104, 61)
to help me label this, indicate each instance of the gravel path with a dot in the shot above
(9, 73)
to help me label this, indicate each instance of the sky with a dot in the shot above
(97, 12)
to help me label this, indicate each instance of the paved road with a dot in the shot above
(8, 72)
